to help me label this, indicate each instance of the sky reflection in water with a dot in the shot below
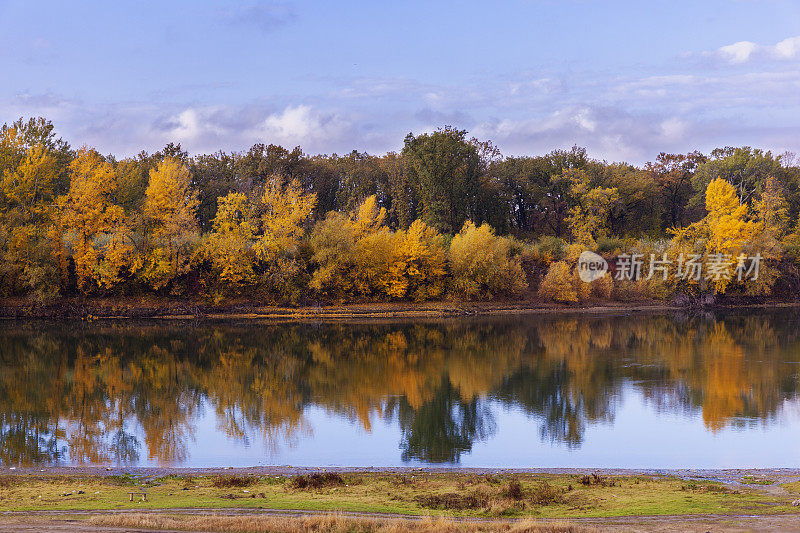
(659, 391)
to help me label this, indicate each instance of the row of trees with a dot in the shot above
(446, 215)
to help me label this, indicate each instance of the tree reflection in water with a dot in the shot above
(114, 393)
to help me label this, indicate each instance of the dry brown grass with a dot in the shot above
(324, 523)
(225, 482)
(316, 481)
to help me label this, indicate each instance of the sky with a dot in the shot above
(625, 79)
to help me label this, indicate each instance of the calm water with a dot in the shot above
(614, 391)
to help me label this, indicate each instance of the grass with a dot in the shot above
(413, 493)
(752, 480)
(332, 523)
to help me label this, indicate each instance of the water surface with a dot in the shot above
(640, 391)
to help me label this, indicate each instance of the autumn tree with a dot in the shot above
(33, 165)
(347, 266)
(557, 284)
(588, 220)
(483, 264)
(93, 229)
(744, 168)
(286, 211)
(26, 196)
(169, 212)
(724, 233)
(229, 245)
(418, 265)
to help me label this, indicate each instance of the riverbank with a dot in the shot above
(408, 492)
(149, 307)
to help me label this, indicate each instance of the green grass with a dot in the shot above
(399, 493)
(752, 480)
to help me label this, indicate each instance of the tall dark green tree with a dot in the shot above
(446, 168)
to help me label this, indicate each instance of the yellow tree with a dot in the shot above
(589, 219)
(483, 264)
(727, 221)
(286, 211)
(418, 267)
(722, 236)
(229, 246)
(169, 209)
(558, 284)
(353, 252)
(27, 178)
(92, 228)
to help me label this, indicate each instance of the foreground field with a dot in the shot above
(410, 493)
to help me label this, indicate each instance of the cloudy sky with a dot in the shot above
(626, 79)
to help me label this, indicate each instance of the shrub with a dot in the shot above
(452, 501)
(224, 482)
(603, 287)
(545, 494)
(610, 245)
(483, 265)
(558, 284)
(514, 490)
(316, 480)
(551, 248)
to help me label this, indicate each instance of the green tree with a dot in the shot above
(446, 169)
(745, 168)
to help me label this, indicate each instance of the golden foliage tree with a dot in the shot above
(557, 284)
(588, 220)
(169, 210)
(93, 229)
(287, 209)
(27, 186)
(418, 266)
(722, 236)
(728, 227)
(229, 246)
(482, 264)
(286, 213)
(351, 252)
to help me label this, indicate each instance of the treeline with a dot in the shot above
(447, 216)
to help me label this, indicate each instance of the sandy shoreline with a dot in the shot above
(724, 475)
(175, 310)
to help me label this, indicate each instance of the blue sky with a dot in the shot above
(625, 79)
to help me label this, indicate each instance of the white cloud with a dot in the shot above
(302, 125)
(738, 52)
(673, 128)
(611, 133)
(191, 125)
(788, 48)
(744, 51)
